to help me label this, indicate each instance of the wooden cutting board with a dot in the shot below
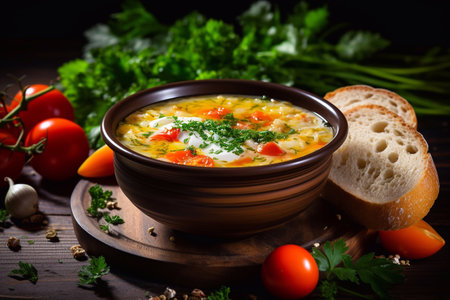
(179, 258)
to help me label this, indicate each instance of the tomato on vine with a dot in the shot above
(11, 162)
(66, 148)
(52, 104)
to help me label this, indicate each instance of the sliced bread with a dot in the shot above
(382, 176)
(346, 98)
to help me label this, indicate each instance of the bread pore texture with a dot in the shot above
(348, 97)
(382, 176)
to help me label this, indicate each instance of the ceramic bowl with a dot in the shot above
(222, 202)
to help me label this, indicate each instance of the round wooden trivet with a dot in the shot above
(175, 257)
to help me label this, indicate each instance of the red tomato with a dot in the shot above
(170, 135)
(179, 157)
(50, 105)
(200, 161)
(270, 148)
(290, 272)
(417, 241)
(15, 131)
(185, 157)
(66, 149)
(217, 113)
(11, 162)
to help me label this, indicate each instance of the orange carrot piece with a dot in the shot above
(98, 164)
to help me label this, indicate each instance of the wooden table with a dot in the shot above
(58, 270)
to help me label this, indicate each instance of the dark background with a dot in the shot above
(50, 32)
(422, 22)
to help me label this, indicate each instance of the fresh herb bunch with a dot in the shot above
(91, 273)
(99, 197)
(134, 51)
(27, 271)
(349, 277)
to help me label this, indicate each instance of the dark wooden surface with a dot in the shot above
(425, 279)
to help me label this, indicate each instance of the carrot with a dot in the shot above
(98, 164)
(217, 113)
(240, 161)
(270, 148)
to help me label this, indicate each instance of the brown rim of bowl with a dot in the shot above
(224, 86)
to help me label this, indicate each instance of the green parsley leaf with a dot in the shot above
(223, 293)
(114, 220)
(342, 272)
(3, 215)
(91, 273)
(27, 271)
(30, 242)
(98, 199)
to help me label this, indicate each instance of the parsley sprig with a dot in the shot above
(3, 216)
(91, 273)
(223, 293)
(27, 271)
(222, 133)
(99, 197)
(345, 275)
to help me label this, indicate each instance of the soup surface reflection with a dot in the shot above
(224, 131)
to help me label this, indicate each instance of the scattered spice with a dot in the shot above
(112, 205)
(198, 293)
(51, 234)
(14, 243)
(78, 252)
(339, 217)
(60, 261)
(169, 293)
(317, 245)
(172, 238)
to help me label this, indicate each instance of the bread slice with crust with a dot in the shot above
(345, 98)
(382, 176)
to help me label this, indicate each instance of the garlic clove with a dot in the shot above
(21, 200)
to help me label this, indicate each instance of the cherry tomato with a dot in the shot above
(11, 162)
(66, 149)
(170, 135)
(217, 113)
(50, 105)
(98, 164)
(290, 272)
(270, 148)
(10, 126)
(417, 241)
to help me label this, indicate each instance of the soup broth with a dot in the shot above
(224, 131)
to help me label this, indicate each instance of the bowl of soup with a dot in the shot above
(225, 157)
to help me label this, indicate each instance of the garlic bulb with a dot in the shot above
(21, 200)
